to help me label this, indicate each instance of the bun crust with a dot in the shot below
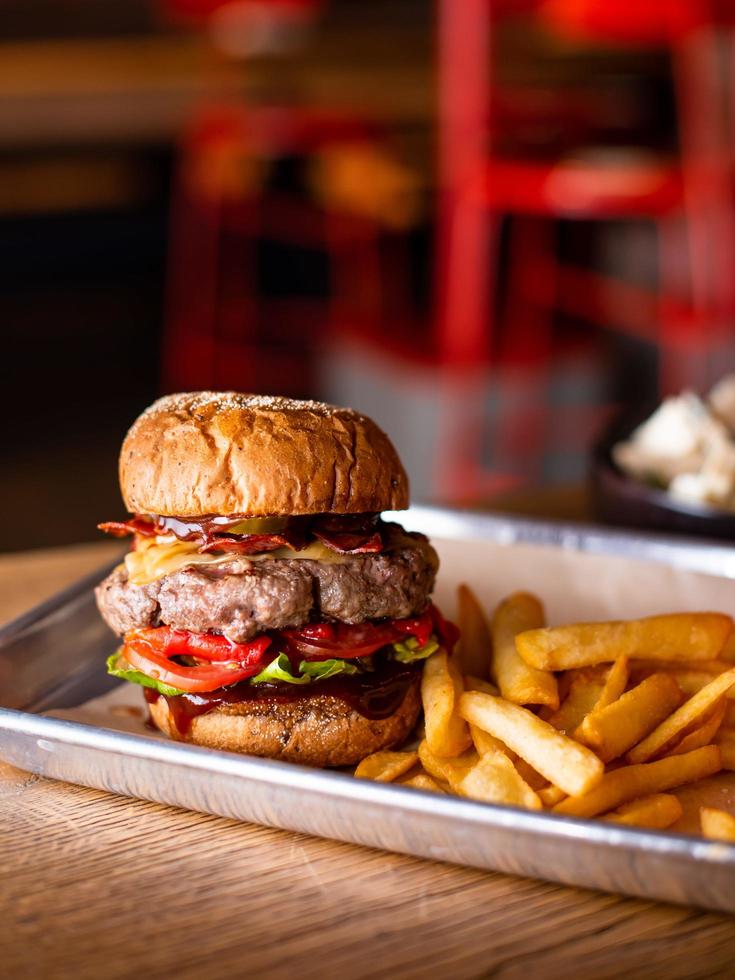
(226, 453)
(317, 731)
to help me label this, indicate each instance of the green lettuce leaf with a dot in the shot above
(320, 670)
(408, 651)
(128, 673)
(278, 670)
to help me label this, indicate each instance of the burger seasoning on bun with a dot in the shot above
(265, 607)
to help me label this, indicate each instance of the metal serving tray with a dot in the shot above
(53, 656)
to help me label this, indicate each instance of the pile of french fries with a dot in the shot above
(587, 720)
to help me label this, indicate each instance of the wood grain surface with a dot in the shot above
(97, 886)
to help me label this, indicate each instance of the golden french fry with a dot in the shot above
(624, 784)
(728, 720)
(475, 646)
(655, 812)
(551, 795)
(584, 693)
(517, 681)
(727, 653)
(683, 718)
(451, 771)
(485, 742)
(727, 755)
(717, 824)
(422, 780)
(615, 683)
(441, 686)
(494, 779)
(704, 733)
(384, 767)
(692, 681)
(712, 667)
(611, 731)
(472, 683)
(614, 686)
(561, 760)
(676, 636)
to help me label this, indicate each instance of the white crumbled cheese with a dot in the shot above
(688, 488)
(722, 401)
(687, 446)
(674, 429)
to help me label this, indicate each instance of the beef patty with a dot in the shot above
(242, 598)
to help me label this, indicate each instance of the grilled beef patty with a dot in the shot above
(242, 598)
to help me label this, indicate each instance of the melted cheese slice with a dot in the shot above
(155, 557)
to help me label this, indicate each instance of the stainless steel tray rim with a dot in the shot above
(340, 785)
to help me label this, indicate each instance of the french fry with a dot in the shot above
(517, 681)
(728, 720)
(562, 761)
(717, 824)
(494, 779)
(611, 731)
(614, 686)
(475, 646)
(615, 683)
(624, 784)
(422, 780)
(682, 719)
(384, 767)
(551, 795)
(712, 667)
(441, 686)
(584, 693)
(704, 733)
(485, 742)
(676, 636)
(727, 653)
(656, 812)
(692, 681)
(450, 771)
(727, 755)
(472, 683)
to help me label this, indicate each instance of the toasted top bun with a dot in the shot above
(225, 453)
(318, 731)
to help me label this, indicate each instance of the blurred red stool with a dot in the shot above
(242, 28)
(478, 187)
(222, 328)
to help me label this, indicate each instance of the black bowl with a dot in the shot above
(620, 500)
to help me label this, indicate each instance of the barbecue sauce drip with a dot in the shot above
(374, 695)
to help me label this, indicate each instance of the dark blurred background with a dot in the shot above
(488, 224)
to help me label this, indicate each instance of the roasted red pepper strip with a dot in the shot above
(158, 665)
(445, 630)
(152, 650)
(205, 646)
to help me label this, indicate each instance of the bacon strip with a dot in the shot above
(136, 525)
(350, 544)
(250, 544)
(347, 534)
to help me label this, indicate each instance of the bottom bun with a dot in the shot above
(316, 731)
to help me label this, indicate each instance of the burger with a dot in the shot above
(265, 606)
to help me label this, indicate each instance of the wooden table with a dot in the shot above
(98, 886)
